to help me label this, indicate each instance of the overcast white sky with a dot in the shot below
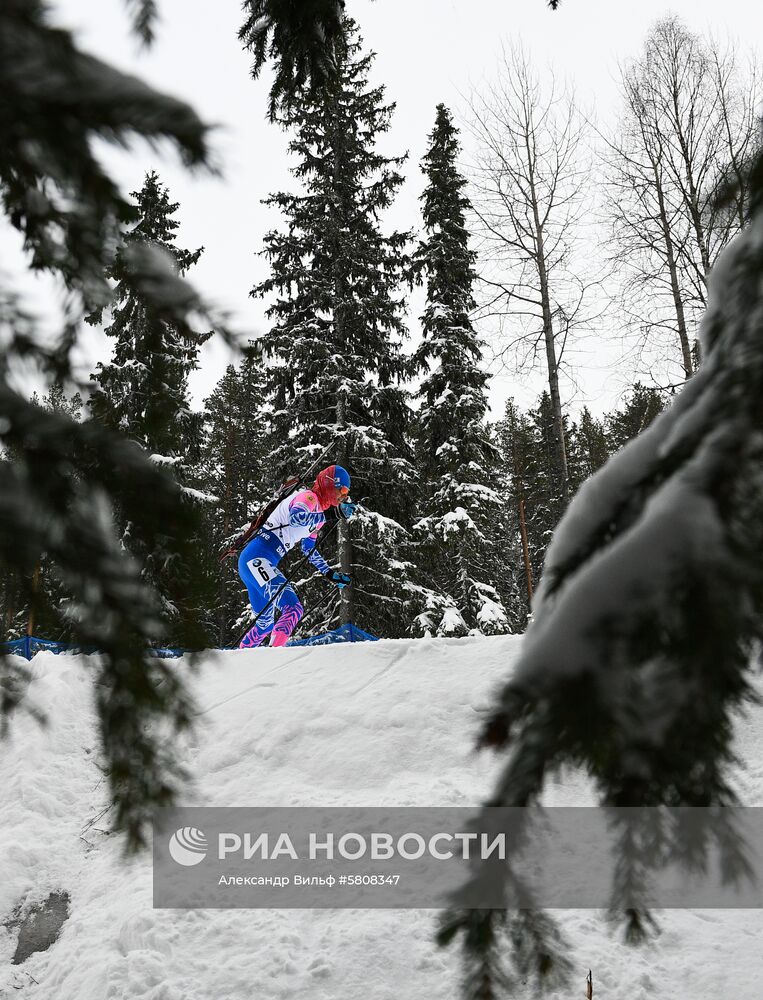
(427, 51)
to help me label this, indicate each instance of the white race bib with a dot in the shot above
(262, 571)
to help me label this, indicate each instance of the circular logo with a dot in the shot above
(188, 846)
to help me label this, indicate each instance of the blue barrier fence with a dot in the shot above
(345, 633)
(30, 644)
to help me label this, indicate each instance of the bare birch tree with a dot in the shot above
(737, 84)
(687, 130)
(528, 197)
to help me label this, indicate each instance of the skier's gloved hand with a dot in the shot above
(347, 508)
(340, 579)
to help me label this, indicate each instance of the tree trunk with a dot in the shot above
(560, 448)
(519, 484)
(33, 600)
(526, 552)
(345, 542)
(674, 285)
(558, 418)
(10, 610)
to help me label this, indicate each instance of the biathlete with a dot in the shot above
(297, 519)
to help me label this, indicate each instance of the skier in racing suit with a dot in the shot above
(297, 519)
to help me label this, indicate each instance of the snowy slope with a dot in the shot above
(387, 723)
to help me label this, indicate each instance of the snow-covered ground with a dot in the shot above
(374, 724)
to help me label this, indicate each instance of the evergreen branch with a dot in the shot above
(305, 40)
(145, 13)
(57, 102)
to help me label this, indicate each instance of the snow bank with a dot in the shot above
(385, 723)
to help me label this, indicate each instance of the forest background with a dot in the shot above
(583, 231)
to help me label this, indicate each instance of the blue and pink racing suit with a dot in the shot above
(296, 520)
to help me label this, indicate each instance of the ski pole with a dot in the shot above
(316, 607)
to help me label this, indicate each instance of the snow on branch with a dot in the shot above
(651, 605)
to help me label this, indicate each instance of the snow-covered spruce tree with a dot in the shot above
(37, 610)
(544, 493)
(642, 405)
(592, 441)
(521, 484)
(554, 490)
(233, 469)
(47, 612)
(56, 495)
(143, 390)
(459, 528)
(336, 327)
(588, 448)
(531, 484)
(143, 394)
(648, 622)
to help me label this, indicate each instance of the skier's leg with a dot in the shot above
(262, 581)
(291, 612)
(265, 621)
(269, 590)
(259, 631)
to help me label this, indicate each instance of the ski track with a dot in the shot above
(307, 733)
(395, 661)
(252, 687)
